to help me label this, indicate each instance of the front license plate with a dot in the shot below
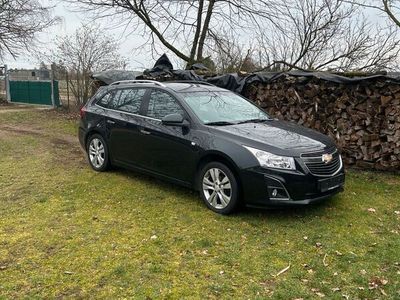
(331, 183)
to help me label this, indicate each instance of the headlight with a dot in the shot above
(270, 160)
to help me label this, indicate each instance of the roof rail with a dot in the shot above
(138, 81)
(192, 81)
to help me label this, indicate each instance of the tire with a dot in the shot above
(216, 176)
(97, 153)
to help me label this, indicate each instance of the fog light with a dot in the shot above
(276, 189)
(276, 193)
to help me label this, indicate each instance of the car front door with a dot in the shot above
(123, 124)
(169, 149)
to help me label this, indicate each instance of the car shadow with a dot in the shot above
(244, 213)
(285, 212)
(152, 180)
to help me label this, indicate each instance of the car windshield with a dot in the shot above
(223, 108)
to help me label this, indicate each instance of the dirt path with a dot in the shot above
(20, 108)
(56, 142)
(31, 129)
(59, 139)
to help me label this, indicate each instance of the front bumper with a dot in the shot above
(292, 203)
(292, 188)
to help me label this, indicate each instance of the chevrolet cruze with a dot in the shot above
(210, 139)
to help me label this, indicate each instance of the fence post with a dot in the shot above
(7, 83)
(67, 89)
(52, 87)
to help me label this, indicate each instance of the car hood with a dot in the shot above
(279, 135)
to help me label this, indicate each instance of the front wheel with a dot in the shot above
(97, 152)
(219, 188)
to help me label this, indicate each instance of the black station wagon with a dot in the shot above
(210, 139)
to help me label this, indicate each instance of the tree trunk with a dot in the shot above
(205, 30)
(197, 34)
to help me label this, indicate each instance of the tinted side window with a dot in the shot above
(128, 100)
(103, 102)
(162, 104)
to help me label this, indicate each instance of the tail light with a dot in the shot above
(82, 112)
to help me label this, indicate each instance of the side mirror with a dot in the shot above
(174, 120)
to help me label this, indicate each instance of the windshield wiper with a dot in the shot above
(254, 121)
(219, 123)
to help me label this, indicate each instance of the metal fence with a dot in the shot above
(29, 86)
(42, 92)
(32, 87)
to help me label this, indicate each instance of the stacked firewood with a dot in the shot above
(363, 117)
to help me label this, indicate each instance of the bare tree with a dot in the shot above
(229, 55)
(20, 21)
(327, 34)
(389, 8)
(183, 27)
(86, 51)
(303, 34)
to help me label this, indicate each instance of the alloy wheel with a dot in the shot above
(217, 188)
(96, 153)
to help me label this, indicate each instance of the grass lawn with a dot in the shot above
(67, 231)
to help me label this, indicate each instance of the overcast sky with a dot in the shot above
(72, 20)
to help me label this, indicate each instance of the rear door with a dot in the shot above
(123, 123)
(168, 149)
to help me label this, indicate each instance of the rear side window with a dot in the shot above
(128, 100)
(103, 102)
(162, 104)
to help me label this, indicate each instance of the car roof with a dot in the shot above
(182, 87)
(178, 87)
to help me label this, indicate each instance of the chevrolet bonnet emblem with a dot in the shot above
(326, 158)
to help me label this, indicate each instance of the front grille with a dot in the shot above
(317, 166)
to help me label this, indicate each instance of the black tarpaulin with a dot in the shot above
(111, 76)
(163, 70)
(237, 83)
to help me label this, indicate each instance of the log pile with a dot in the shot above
(363, 118)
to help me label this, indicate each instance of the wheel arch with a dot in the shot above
(92, 132)
(216, 156)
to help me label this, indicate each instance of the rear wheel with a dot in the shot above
(97, 152)
(219, 188)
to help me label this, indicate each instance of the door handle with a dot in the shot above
(110, 122)
(145, 131)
